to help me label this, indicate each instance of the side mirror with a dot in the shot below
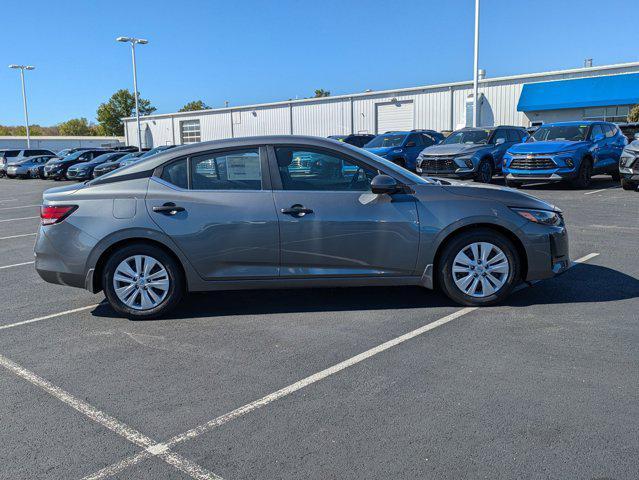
(599, 137)
(525, 138)
(410, 144)
(500, 141)
(384, 184)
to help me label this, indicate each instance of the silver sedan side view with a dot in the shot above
(289, 211)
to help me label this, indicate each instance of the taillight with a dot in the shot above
(50, 214)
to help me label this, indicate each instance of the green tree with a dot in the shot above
(120, 105)
(633, 116)
(76, 127)
(320, 92)
(194, 106)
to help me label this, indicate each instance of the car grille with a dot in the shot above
(532, 163)
(438, 164)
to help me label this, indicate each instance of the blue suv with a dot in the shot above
(470, 153)
(571, 151)
(403, 148)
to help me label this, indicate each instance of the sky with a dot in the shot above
(248, 51)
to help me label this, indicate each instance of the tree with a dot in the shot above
(120, 105)
(194, 106)
(320, 92)
(76, 127)
(633, 116)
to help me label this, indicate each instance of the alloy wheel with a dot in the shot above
(480, 269)
(141, 282)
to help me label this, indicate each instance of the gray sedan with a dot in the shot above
(289, 211)
(20, 168)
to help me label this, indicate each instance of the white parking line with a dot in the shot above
(18, 236)
(111, 423)
(16, 219)
(16, 265)
(47, 317)
(602, 190)
(22, 206)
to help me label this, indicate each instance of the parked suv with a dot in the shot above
(84, 170)
(56, 168)
(572, 151)
(629, 166)
(355, 139)
(402, 148)
(240, 213)
(11, 155)
(470, 153)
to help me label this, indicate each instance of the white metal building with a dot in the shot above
(57, 143)
(439, 107)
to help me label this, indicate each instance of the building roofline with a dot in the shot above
(58, 137)
(387, 92)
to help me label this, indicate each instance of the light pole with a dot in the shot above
(22, 68)
(476, 65)
(133, 42)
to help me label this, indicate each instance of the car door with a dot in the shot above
(218, 208)
(413, 147)
(600, 147)
(331, 224)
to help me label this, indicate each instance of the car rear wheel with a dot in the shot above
(142, 281)
(479, 267)
(484, 172)
(616, 176)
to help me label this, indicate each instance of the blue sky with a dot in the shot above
(248, 51)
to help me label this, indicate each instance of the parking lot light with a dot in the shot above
(22, 68)
(133, 41)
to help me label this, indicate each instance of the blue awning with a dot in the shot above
(580, 92)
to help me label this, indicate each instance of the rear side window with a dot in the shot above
(11, 153)
(175, 173)
(232, 170)
(610, 131)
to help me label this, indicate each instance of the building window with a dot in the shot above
(190, 131)
(608, 114)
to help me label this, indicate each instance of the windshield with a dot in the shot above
(386, 141)
(106, 157)
(467, 136)
(570, 133)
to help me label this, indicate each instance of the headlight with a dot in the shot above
(544, 217)
(466, 162)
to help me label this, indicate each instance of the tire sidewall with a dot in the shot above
(484, 164)
(456, 244)
(176, 279)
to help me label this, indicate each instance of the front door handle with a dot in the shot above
(168, 208)
(296, 210)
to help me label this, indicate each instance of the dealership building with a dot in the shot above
(591, 93)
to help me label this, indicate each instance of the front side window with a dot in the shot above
(501, 133)
(233, 170)
(309, 169)
(190, 131)
(596, 130)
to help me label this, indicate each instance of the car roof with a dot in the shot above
(584, 122)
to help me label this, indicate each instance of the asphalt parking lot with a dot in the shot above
(329, 383)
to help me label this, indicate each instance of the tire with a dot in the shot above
(485, 172)
(584, 175)
(162, 300)
(505, 280)
(628, 185)
(616, 176)
(512, 184)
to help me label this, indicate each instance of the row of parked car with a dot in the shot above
(568, 151)
(71, 164)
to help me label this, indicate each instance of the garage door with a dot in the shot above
(394, 116)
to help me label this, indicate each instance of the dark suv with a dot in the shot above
(470, 153)
(355, 139)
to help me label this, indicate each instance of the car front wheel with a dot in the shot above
(628, 185)
(142, 281)
(484, 172)
(479, 267)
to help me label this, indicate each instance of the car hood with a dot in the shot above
(634, 146)
(546, 147)
(381, 150)
(107, 164)
(507, 196)
(453, 149)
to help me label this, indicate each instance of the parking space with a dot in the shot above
(329, 383)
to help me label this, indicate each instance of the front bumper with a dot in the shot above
(547, 250)
(446, 166)
(78, 175)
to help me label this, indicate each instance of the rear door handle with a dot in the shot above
(296, 210)
(168, 208)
